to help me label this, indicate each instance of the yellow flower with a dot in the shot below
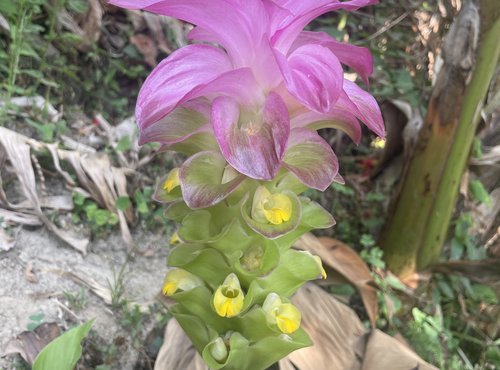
(174, 239)
(288, 318)
(172, 180)
(178, 279)
(271, 208)
(228, 298)
(378, 143)
(285, 315)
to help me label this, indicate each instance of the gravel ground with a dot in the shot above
(39, 272)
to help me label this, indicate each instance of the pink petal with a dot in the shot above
(174, 128)
(174, 77)
(336, 118)
(358, 58)
(305, 13)
(311, 159)
(253, 143)
(313, 75)
(245, 20)
(362, 105)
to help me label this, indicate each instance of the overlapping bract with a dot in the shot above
(254, 80)
(244, 102)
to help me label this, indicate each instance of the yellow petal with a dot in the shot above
(228, 298)
(178, 279)
(172, 180)
(278, 209)
(169, 288)
(271, 208)
(288, 318)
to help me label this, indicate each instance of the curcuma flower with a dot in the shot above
(285, 316)
(258, 84)
(228, 298)
(180, 280)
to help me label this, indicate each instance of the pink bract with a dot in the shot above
(263, 83)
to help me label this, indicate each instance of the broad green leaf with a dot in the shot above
(64, 351)
(122, 203)
(477, 189)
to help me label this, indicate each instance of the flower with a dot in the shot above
(285, 315)
(228, 298)
(178, 279)
(271, 208)
(172, 180)
(259, 84)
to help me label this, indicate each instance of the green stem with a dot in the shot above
(414, 235)
(446, 196)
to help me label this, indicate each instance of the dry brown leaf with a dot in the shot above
(29, 343)
(104, 182)
(333, 327)
(87, 26)
(146, 47)
(385, 352)
(99, 290)
(19, 217)
(16, 149)
(157, 25)
(346, 262)
(177, 351)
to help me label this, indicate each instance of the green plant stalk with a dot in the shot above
(15, 50)
(440, 217)
(413, 237)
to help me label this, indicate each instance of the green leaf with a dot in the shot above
(342, 189)
(484, 294)
(101, 217)
(367, 240)
(64, 351)
(123, 203)
(124, 144)
(477, 189)
(456, 250)
(395, 283)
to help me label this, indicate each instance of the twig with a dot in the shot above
(384, 29)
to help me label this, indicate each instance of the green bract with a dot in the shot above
(236, 239)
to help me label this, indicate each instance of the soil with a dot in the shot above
(37, 277)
